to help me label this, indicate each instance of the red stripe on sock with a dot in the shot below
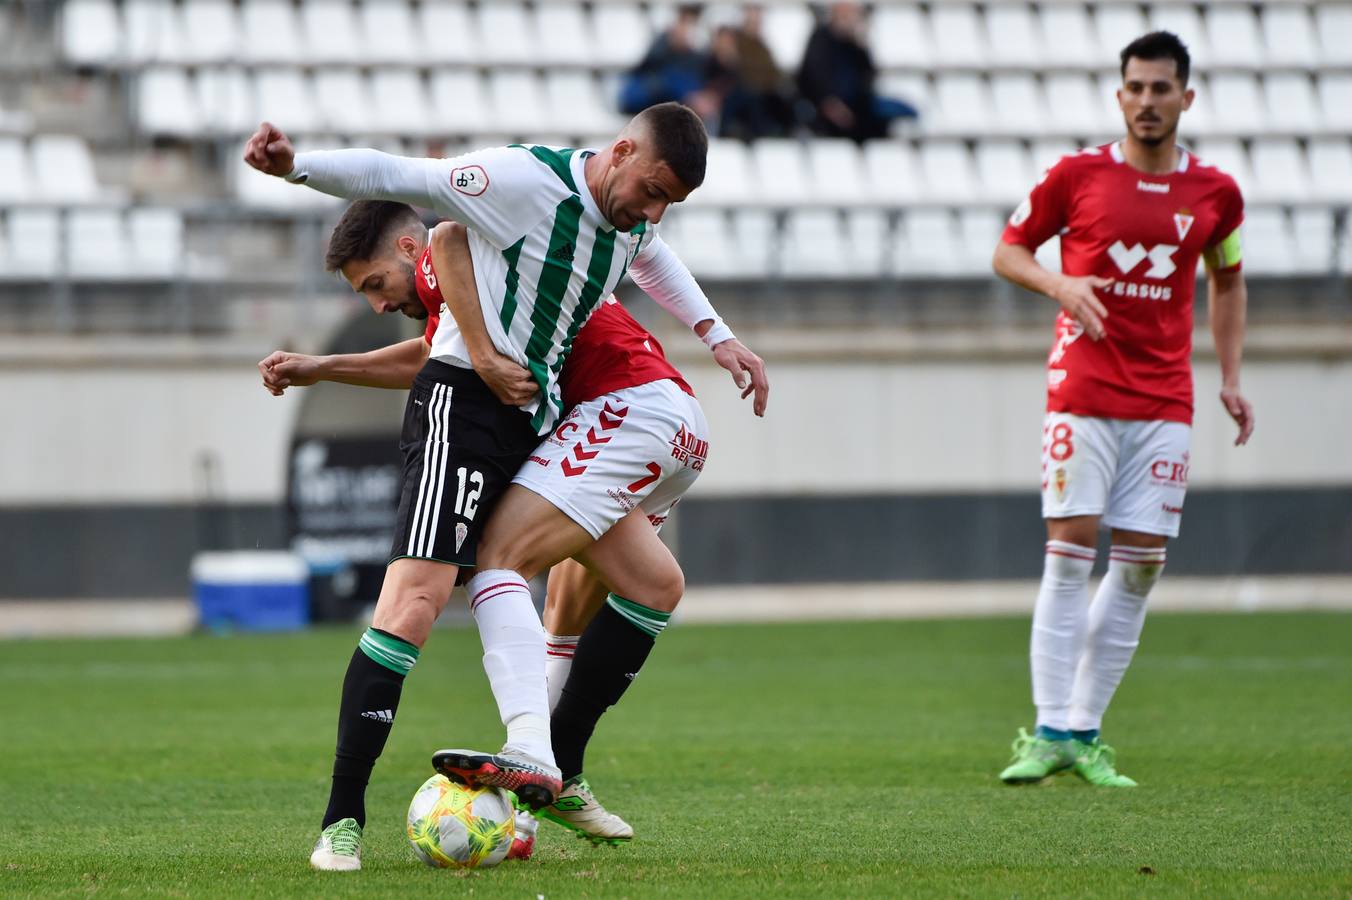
(495, 590)
(1071, 555)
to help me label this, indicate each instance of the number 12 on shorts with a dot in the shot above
(467, 502)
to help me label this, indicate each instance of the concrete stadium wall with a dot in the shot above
(878, 452)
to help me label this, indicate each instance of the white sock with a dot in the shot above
(1115, 621)
(514, 658)
(1058, 629)
(559, 650)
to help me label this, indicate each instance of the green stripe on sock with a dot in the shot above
(648, 621)
(390, 652)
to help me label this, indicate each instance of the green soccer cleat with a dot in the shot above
(1035, 758)
(578, 810)
(338, 848)
(1096, 763)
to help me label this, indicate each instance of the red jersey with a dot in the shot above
(1147, 233)
(428, 292)
(610, 353)
(613, 352)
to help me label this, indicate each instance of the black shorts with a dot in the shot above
(461, 447)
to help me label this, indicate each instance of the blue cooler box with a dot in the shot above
(251, 591)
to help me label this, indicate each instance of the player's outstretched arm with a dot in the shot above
(1228, 300)
(1016, 263)
(454, 267)
(389, 367)
(659, 272)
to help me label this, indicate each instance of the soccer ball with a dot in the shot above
(453, 826)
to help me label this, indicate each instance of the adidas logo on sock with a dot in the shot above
(380, 715)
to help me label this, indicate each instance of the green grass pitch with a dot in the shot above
(836, 760)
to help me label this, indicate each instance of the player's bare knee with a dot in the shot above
(664, 589)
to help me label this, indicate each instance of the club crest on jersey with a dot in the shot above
(1183, 222)
(1060, 482)
(461, 532)
(469, 180)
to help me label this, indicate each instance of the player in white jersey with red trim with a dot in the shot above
(1134, 218)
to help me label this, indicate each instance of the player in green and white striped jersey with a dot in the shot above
(551, 233)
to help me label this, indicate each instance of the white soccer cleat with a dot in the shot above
(338, 848)
(536, 783)
(577, 809)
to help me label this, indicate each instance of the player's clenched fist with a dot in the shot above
(281, 370)
(1076, 296)
(269, 151)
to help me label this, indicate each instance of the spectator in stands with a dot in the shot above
(837, 78)
(758, 102)
(674, 68)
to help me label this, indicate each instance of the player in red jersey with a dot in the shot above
(1134, 218)
(631, 444)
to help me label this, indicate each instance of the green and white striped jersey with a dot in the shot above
(544, 255)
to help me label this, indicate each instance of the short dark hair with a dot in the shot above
(678, 139)
(364, 228)
(1159, 45)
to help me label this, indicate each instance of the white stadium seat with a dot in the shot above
(91, 32)
(400, 104)
(1117, 24)
(622, 33)
(782, 171)
(1186, 22)
(459, 101)
(1018, 105)
(1232, 32)
(1074, 105)
(1013, 36)
(565, 36)
(1066, 35)
(979, 231)
(96, 240)
(891, 171)
(387, 32)
(913, 87)
(1005, 171)
(16, 176)
(836, 170)
(927, 244)
(1268, 248)
(957, 35)
(507, 34)
(1279, 168)
(1288, 35)
(1228, 155)
(813, 245)
(785, 28)
(447, 35)
(1331, 167)
(1335, 102)
(284, 96)
(900, 37)
(703, 240)
(866, 240)
(1105, 89)
(156, 242)
(753, 236)
(270, 32)
(64, 169)
(1312, 236)
(152, 32)
(35, 242)
(225, 100)
(1047, 152)
(516, 100)
(948, 173)
(1237, 103)
(211, 31)
(1290, 102)
(963, 105)
(728, 176)
(1334, 24)
(575, 104)
(166, 103)
(1200, 119)
(330, 32)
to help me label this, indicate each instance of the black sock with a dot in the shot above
(609, 654)
(371, 692)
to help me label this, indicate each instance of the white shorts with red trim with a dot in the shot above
(638, 448)
(1132, 473)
